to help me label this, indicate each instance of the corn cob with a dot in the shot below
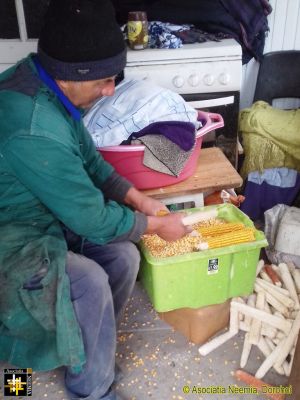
(227, 239)
(220, 229)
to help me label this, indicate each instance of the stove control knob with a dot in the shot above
(208, 79)
(224, 79)
(178, 81)
(193, 80)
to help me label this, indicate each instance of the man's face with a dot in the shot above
(84, 94)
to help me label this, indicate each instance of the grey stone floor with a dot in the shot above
(158, 362)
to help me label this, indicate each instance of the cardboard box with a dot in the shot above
(199, 324)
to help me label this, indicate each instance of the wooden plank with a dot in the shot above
(294, 379)
(214, 172)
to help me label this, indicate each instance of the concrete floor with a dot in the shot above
(158, 362)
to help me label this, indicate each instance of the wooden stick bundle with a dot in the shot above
(270, 317)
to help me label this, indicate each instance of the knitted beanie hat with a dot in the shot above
(81, 41)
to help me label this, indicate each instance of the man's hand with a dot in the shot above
(152, 207)
(168, 227)
(143, 203)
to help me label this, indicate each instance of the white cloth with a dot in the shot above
(281, 177)
(274, 218)
(135, 105)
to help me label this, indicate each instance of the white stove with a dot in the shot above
(194, 68)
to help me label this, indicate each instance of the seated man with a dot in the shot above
(67, 219)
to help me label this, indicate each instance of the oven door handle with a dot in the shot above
(211, 121)
(220, 101)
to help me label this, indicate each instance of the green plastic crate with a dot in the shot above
(206, 277)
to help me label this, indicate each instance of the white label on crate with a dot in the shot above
(213, 266)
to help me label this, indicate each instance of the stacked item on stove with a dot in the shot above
(245, 21)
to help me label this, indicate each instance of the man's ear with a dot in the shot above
(63, 85)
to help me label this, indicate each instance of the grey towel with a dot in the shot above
(162, 155)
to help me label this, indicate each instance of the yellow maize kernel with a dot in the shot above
(209, 222)
(227, 239)
(162, 213)
(161, 248)
(220, 229)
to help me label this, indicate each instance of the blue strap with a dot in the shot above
(46, 78)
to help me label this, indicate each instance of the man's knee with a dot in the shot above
(130, 256)
(85, 275)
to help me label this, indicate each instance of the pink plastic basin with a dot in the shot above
(128, 160)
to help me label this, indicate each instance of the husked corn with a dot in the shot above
(212, 234)
(240, 236)
(219, 229)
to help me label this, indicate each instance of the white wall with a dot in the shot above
(284, 23)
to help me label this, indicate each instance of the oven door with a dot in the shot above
(224, 103)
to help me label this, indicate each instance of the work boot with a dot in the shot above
(112, 395)
(119, 374)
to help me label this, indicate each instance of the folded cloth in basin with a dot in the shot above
(181, 133)
(163, 155)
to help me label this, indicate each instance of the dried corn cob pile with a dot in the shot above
(270, 317)
(213, 233)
